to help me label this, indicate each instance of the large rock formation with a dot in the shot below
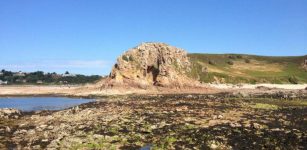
(156, 64)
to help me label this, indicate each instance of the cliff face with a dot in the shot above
(156, 64)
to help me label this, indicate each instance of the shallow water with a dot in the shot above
(41, 103)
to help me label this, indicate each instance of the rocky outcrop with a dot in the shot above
(155, 64)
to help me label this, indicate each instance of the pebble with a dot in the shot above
(31, 132)
(235, 125)
(50, 127)
(43, 126)
(7, 129)
(220, 116)
(217, 117)
(213, 145)
(256, 126)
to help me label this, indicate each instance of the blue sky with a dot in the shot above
(86, 36)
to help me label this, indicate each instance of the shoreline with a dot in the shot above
(48, 95)
(92, 91)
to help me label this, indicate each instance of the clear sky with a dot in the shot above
(86, 36)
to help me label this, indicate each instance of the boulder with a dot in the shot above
(235, 125)
(256, 126)
(156, 64)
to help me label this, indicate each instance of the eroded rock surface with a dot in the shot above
(152, 64)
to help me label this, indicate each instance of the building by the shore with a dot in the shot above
(39, 82)
(68, 75)
(21, 80)
(3, 82)
(19, 74)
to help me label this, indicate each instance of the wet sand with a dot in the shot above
(96, 91)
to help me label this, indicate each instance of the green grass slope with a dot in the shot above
(239, 68)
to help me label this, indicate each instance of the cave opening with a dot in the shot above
(154, 71)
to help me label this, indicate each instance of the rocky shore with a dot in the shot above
(173, 121)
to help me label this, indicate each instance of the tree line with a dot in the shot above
(40, 77)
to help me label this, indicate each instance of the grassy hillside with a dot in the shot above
(237, 68)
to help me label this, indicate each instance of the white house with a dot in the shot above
(19, 74)
(3, 82)
(21, 80)
(68, 75)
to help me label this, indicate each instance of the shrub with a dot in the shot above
(211, 62)
(124, 57)
(239, 57)
(131, 58)
(293, 80)
(231, 57)
(247, 61)
(230, 63)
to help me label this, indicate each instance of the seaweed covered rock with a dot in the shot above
(9, 113)
(156, 64)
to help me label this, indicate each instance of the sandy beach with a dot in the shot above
(93, 90)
